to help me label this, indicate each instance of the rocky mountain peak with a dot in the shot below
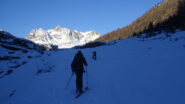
(59, 28)
(61, 37)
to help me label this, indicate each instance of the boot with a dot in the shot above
(80, 91)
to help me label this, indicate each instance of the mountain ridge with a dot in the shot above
(61, 37)
(15, 52)
(167, 16)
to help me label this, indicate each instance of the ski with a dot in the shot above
(78, 95)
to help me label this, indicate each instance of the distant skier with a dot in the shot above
(94, 55)
(78, 69)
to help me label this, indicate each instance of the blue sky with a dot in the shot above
(19, 17)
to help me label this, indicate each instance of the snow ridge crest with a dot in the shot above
(61, 37)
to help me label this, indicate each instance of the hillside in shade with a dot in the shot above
(167, 16)
(131, 71)
(15, 52)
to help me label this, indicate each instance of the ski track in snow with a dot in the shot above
(129, 72)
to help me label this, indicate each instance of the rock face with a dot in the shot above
(61, 37)
(9, 41)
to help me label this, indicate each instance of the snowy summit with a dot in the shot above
(61, 37)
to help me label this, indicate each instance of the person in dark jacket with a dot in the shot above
(94, 55)
(78, 69)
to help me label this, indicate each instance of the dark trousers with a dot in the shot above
(79, 81)
(94, 57)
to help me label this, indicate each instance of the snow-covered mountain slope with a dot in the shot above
(62, 37)
(132, 71)
(14, 52)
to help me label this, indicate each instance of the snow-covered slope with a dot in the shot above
(132, 71)
(62, 37)
(15, 52)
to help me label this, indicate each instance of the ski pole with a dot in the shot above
(69, 81)
(87, 77)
